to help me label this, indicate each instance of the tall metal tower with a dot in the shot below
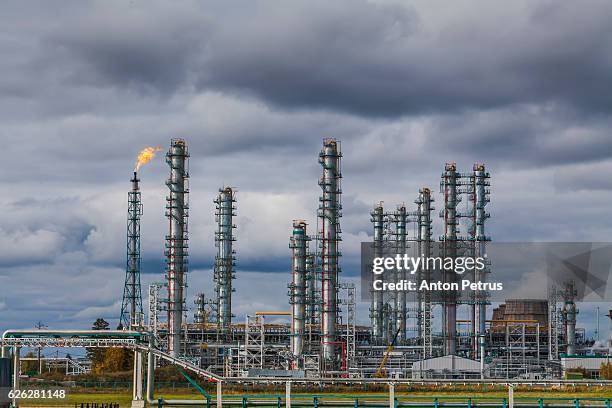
(297, 288)
(329, 237)
(480, 198)
(176, 241)
(400, 219)
(225, 260)
(377, 305)
(448, 187)
(131, 306)
(424, 209)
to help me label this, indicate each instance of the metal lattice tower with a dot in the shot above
(131, 306)
(377, 304)
(424, 209)
(225, 260)
(297, 288)
(400, 219)
(329, 214)
(176, 241)
(254, 338)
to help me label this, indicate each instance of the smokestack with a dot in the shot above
(131, 306)
(297, 288)
(225, 259)
(176, 241)
(329, 237)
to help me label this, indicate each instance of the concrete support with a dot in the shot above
(137, 400)
(288, 394)
(391, 395)
(219, 395)
(16, 373)
(150, 375)
(510, 396)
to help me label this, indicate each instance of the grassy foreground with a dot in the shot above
(124, 398)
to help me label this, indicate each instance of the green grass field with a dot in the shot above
(124, 397)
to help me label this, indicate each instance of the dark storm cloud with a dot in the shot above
(253, 87)
(359, 57)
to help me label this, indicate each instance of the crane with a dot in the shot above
(381, 372)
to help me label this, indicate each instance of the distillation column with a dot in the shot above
(481, 198)
(176, 241)
(131, 307)
(401, 313)
(424, 209)
(569, 314)
(297, 289)
(224, 272)
(377, 306)
(329, 237)
(449, 316)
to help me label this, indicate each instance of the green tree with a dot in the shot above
(96, 354)
(605, 371)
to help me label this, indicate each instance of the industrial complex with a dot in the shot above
(524, 338)
(412, 336)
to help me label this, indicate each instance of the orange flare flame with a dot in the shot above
(145, 156)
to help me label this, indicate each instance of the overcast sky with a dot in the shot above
(254, 87)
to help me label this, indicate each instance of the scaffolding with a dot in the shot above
(254, 339)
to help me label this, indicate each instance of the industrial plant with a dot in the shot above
(410, 336)
(413, 336)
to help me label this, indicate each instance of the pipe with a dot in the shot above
(329, 214)
(150, 371)
(377, 305)
(176, 241)
(297, 293)
(225, 260)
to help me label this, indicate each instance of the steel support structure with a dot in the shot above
(131, 306)
(329, 214)
(225, 260)
(177, 208)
